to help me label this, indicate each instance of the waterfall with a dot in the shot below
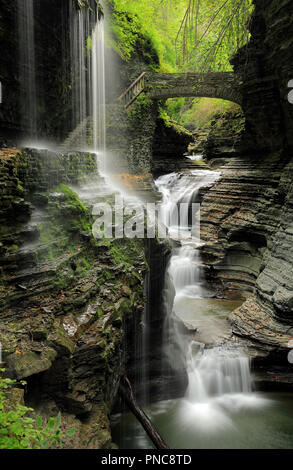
(79, 23)
(98, 86)
(87, 57)
(182, 189)
(215, 372)
(185, 266)
(216, 375)
(27, 66)
(88, 80)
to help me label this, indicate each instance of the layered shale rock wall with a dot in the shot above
(247, 220)
(266, 67)
(68, 302)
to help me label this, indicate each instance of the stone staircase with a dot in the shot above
(80, 138)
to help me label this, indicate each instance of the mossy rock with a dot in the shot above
(14, 397)
(25, 364)
(60, 341)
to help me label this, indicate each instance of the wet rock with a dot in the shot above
(169, 144)
(40, 200)
(224, 134)
(283, 300)
(248, 248)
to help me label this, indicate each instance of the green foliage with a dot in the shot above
(171, 123)
(174, 107)
(142, 103)
(20, 431)
(211, 32)
(198, 112)
(187, 34)
(145, 18)
(127, 31)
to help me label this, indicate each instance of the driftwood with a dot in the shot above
(125, 391)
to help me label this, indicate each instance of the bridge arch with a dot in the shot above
(222, 85)
(161, 86)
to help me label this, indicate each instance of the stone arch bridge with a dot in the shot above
(161, 86)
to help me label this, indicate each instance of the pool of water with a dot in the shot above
(252, 421)
(213, 414)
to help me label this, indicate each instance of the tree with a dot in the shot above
(210, 32)
(196, 35)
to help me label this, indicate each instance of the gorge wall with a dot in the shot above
(247, 216)
(71, 307)
(54, 99)
(67, 300)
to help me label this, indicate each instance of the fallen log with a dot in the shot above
(126, 392)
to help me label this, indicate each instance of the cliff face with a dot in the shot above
(247, 220)
(67, 300)
(266, 67)
(10, 106)
(170, 143)
(52, 63)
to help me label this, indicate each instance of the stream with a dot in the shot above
(220, 408)
(255, 427)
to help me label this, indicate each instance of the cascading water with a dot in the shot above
(87, 58)
(219, 377)
(98, 86)
(88, 87)
(216, 371)
(220, 410)
(80, 30)
(27, 66)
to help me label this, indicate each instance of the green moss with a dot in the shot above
(198, 113)
(100, 312)
(125, 251)
(13, 248)
(173, 124)
(79, 218)
(142, 104)
(68, 219)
